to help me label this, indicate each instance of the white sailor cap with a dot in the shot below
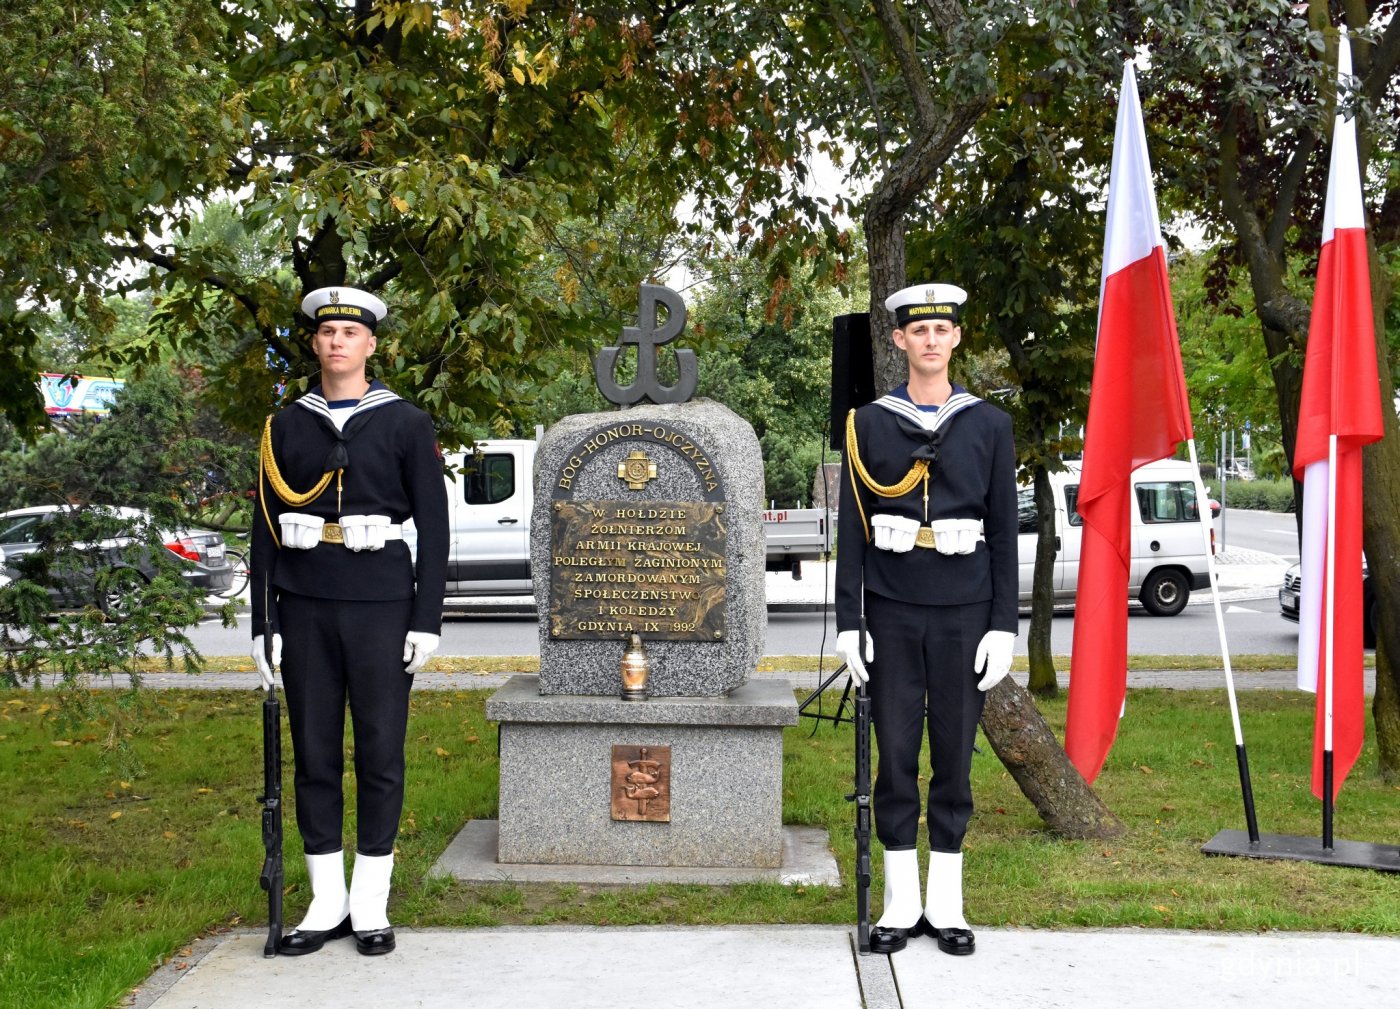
(344, 303)
(925, 301)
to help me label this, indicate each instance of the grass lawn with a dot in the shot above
(104, 877)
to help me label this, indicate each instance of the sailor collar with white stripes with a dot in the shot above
(898, 403)
(376, 397)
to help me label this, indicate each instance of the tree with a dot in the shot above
(429, 152)
(1014, 216)
(92, 102)
(768, 358)
(1223, 359)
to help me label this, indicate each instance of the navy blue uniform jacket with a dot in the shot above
(393, 469)
(974, 477)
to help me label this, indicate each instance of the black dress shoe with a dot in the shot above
(954, 941)
(299, 942)
(886, 939)
(375, 942)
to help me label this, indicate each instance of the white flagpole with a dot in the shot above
(1241, 759)
(1329, 587)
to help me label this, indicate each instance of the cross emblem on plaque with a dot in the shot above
(637, 469)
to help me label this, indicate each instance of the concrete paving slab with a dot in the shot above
(791, 967)
(780, 966)
(471, 858)
(1110, 969)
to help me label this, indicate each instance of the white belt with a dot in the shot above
(331, 532)
(900, 533)
(354, 532)
(951, 536)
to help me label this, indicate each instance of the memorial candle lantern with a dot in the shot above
(635, 668)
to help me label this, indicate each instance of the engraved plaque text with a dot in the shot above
(654, 568)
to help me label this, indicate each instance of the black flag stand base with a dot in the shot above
(1350, 854)
(1324, 850)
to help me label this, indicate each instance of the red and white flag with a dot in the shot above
(1339, 413)
(1138, 412)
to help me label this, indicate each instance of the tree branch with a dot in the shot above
(1286, 194)
(1278, 309)
(382, 276)
(170, 264)
(857, 57)
(900, 42)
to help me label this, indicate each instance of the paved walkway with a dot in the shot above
(785, 967)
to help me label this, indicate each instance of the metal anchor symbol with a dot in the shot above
(647, 336)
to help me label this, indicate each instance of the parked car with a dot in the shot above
(1168, 559)
(1292, 590)
(202, 559)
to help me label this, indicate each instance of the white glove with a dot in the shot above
(418, 646)
(993, 652)
(300, 531)
(895, 533)
(260, 659)
(848, 648)
(364, 532)
(956, 536)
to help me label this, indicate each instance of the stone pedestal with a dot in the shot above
(647, 527)
(724, 776)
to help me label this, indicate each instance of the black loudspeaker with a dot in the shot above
(852, 371)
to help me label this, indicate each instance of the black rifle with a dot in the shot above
(272, 876)
(861, 797)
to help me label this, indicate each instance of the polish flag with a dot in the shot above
(1339, 413)
(1138, 413)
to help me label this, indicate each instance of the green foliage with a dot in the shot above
(766, 354)
(443, 155)
(105, 112)
(156, 450)
(1255, 495)
(1224, 359)
(1018, 225)
(104, 592)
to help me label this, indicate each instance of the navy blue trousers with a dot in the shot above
(923, 661)
(333, 651)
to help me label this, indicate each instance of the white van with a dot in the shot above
(490, 502)
(491, 495)
(1168, 557)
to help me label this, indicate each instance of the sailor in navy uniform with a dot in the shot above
(342, 469)
(927, 531)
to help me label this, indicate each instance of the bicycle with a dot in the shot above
(238, 560)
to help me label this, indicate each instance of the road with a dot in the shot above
(1251, 627)
(1252, 621)
(1269, 532)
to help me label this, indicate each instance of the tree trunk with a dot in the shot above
(1381, 528)
(884, 241)
(1025, 744)
(1043, 681)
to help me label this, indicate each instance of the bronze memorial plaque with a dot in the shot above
(654, 568)
(641, 783)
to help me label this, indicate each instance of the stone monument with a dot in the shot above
(647, 530)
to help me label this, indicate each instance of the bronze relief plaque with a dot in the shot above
(641, 783)
(654, 568)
